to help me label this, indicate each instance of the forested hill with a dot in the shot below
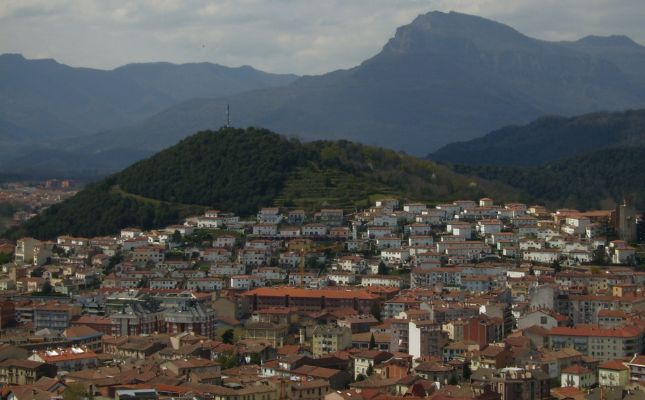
(549, 139)
(595, 180)
(240, 170)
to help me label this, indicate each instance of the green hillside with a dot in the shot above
(595, 180)
(241, 170)
(549, 139)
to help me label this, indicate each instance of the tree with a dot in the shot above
(228, 360)
(556, 266)
(467, 371)
(5, 258)
(370, 370)
(256, 359)
(47, 288)
(376, 311)
(600, 257)
(228, 336)
(382, 268)
(76, 391)
(372, 342)
(176, 237)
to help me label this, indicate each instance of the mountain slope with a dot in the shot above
(442, 78)
(51, 100)
(548, 139)
(599, 179)
(242, 170)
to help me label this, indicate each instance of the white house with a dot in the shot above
(342, 278)
(414, 208)
(227, 269)
(395, 255)
(419, 229)
(270, 215)
(252, 256)
(353, 264)
(225, 241)
(265, 229)
(246, 282)
(542, 255)
(375, 232)
(211, 284)
(388, 242)
(381, 280)
(384, 220)
(416, 241)
(489, 226)
(314, 230)
(216, 255)
(270, 273)
(578, 377)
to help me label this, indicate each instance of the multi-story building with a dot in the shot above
(426, 338)
(364, 361)
(515, 383)
(24, 372)
(192, 317)
(330, 339)
(637, 368)
(24, 253)
(613, 373)
(68, 359)
(601, 343)
(54, 316)
(309, 299)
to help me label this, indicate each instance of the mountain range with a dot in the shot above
(42, 101)
(548, 139)
(445, 77)
(589, 161)
(442, 78)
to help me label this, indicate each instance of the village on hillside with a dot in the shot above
(462, 300)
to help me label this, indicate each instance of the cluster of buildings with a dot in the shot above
(462, 300)
(30, 199)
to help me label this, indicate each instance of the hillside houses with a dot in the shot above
(400, 298)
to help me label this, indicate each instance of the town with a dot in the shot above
(20, 201)
(468, 299)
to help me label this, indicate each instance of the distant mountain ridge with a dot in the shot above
(445, 77)
(42, 100)
(548, 139)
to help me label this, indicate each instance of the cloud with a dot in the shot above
(298, 36)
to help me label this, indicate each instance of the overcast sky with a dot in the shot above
(299, 36)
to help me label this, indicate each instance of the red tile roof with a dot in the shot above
(282, 291)
(595, 331)
(615, 365)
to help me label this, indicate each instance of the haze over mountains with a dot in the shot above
(549, 139)
(42, 101)
(445, 77)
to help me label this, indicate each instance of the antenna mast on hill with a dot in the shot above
(228, 115)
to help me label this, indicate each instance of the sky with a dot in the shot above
(283, 36)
